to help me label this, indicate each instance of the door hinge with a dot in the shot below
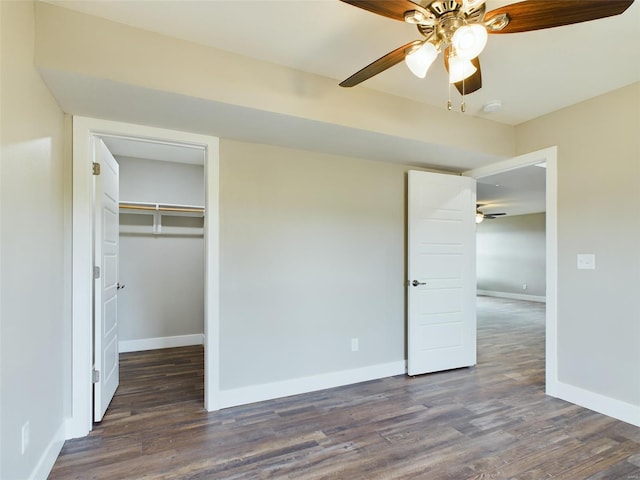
(96, 168)
(96, 272)
(95, 374)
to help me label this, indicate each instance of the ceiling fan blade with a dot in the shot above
(495, 214)
(389, 8)
(538, 14)
(470, 84)
(380, 65)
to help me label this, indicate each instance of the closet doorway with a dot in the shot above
(161, 261)
(168, 248)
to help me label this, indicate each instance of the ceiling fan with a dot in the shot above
(480, 216)
(459, 28)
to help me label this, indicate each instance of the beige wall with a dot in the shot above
(510, 253)
(35, 354)
(598, 203)
(311, 255)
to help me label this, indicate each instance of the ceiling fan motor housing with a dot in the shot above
(447, 16)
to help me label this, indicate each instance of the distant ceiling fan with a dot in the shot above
(480, 216)
(459, 28)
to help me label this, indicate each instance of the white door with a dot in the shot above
(442, 276)
(105, 305)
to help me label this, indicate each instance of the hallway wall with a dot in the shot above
(510, 254)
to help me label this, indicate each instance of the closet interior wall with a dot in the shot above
(163, 300)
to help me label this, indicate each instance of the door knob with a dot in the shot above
(415, 283)
(120, 286)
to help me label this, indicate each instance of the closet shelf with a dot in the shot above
(162, 208)
(158, 210)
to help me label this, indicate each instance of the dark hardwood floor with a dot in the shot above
(492, 421)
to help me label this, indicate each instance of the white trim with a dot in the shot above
(551, 246)
(550, 156)
(514, 296)
(156, 343)
(212, 275)
(514, 163)
(618, 409)
(81, 324)
(49, 456)
(84, 129)
(285, 388)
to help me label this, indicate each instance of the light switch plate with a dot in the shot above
(586, 261)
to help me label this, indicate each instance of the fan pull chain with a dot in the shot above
(463, 105)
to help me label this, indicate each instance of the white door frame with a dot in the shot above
(550, 156)
(81, 419)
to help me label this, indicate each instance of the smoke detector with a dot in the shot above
(492, 106)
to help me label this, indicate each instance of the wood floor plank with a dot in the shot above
(491, 421)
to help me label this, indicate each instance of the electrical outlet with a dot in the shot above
(26, 437)
(586, 261)
(354, 345)
(524, 286)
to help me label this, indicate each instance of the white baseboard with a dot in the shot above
(513, 296)
(160, 342)
(598, 403)
(48, 458)
(269, 391)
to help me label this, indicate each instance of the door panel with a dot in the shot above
(442, 335)
(106, 235)
(436, 303)
(441, 266)
(441, 253)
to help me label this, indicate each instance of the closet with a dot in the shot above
(161, 261)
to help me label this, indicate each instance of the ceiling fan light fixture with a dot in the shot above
(416, 17)
(471, 5)
(459, 69)
(421, 59)
(469, 41)
(479, 216)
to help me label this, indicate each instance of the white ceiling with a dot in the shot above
(531, 73)
(514, 192)
(151, 150)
